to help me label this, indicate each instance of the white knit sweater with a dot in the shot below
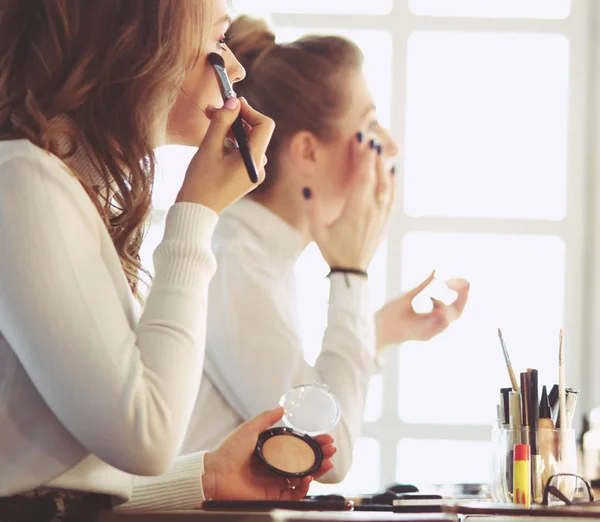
(91, 393)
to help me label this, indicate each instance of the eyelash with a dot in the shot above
(224, 39)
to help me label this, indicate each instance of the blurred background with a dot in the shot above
(495, 106)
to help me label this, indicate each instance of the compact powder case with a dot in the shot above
(290, 450)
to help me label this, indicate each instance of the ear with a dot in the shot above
(303, 149)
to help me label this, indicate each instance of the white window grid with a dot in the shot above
(388, 429)
(384, 431)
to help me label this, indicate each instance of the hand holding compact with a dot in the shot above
(233, 472)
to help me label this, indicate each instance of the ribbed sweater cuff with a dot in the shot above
(178, 489)
(184, 256)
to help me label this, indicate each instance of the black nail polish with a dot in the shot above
(306, 193)
(393, 171)
(372, 144)
(379, 149)
(359, 137)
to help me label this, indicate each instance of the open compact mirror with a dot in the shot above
(290, 450)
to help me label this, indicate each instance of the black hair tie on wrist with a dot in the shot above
(346, 271)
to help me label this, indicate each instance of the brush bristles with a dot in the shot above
(216, 59)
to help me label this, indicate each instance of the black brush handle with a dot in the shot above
(242, 140)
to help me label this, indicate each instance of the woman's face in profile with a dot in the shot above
(187, 122)
(335, 174)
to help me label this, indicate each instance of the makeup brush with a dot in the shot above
(562, 392)
(511, 373)
(227, 92)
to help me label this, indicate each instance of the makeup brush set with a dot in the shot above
(534, 435)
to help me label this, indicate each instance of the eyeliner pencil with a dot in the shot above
(525, 399)
(536, 458)
(506, 404)
(534, 412)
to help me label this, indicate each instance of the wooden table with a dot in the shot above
(274, 516)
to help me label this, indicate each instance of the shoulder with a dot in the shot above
(235, 239)
(37, 184)
(21, 162)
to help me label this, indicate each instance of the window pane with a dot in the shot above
(374, 7)
(377, 49)
(428, 462)
(171, 164)
(374, 403)
(493, 8)
(363, 476)
(487, 125)
(517, 284)
(312, 288)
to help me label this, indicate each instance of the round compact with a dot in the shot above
(291, 451)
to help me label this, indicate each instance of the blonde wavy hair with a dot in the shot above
(111, 67)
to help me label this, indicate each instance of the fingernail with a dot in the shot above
(372, 144)
(379, 149)
(393, 171)
(359, 137)
(306, 192)
(231, 103)
(230, 144)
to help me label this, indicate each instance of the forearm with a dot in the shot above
(347, 362)
(185, 486)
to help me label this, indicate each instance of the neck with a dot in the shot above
(286, 201)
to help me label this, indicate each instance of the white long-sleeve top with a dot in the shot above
(90, 392)
(254, 344)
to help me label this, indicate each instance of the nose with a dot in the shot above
(390, 148)
(235, 70)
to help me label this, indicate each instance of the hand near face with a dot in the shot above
(352, 239)
(232, 472)
(397, 321)
(217, 176)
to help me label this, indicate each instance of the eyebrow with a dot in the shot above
(369, 109)
(226, 19)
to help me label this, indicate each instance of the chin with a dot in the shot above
(186, 126)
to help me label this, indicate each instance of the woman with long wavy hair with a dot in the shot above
(94, 391)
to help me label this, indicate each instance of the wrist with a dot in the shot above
(380, 338)
(337, 269)
(386, 329)
(209, 479)
(189, 196)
